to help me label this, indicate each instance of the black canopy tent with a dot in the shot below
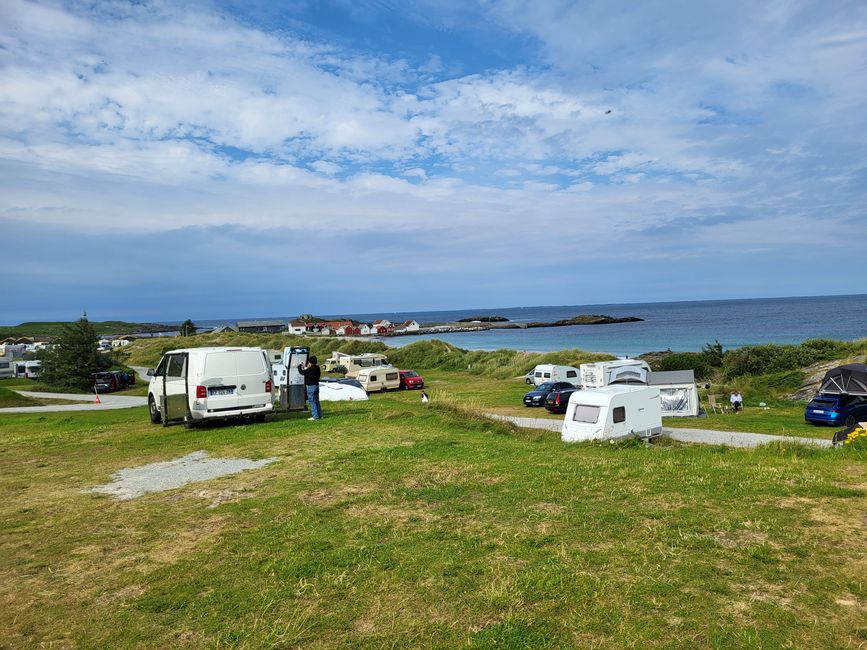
(850, 379)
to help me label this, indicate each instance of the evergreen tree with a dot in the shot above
(188, 328)
(74, 358)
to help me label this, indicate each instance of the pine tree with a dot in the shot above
(74, 358)
(188, 328)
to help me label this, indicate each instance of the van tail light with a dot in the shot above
(268, 386)
(201, 392)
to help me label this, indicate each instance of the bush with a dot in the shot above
(698, 361)
(764, 359)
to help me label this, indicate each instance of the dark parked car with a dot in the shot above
(537, 397)
(836, 410)
(112, 380)
(558, 400)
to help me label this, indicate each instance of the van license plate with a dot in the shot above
(220, 391)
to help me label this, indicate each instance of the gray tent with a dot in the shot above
(850, 379)
(678, 393)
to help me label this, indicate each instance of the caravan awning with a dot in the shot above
(850, 379)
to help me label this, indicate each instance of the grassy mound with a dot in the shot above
(9, 398)
(421, 355)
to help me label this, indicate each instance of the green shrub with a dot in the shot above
(697, 361)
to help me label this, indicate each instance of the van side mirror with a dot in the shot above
(150, 372)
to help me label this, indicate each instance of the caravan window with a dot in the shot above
(372, 378)
(570, 374)
(390, 376)
(586, 414)
(547, 375)
(619, 414)
(538, 374)
(4, 364)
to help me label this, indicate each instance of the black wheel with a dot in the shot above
(259, 417)
(153, 411)
(850, 421)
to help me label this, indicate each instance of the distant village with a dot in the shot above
(309, 326)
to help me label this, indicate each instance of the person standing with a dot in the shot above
(737, 401)
(312, 374)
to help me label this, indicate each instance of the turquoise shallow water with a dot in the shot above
(681, 326)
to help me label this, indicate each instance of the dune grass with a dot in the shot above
(392, 524)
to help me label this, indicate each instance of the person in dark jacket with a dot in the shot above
(311, 374)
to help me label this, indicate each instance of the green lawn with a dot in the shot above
(391, 524)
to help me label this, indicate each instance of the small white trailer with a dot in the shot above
(603, 373)
(612, 412)
(545, 372)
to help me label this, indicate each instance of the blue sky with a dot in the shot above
(163, 160)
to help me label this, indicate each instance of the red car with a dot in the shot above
(410, 379)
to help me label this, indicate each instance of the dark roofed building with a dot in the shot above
(262, 326)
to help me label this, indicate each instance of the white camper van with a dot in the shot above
(197, 384)
(382, 379)
(354, 362)
(603, 373)
(7, 368)
(612, 412)
(549, 372)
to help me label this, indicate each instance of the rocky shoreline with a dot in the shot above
(499, 322)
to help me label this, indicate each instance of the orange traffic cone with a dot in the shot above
(98, 401)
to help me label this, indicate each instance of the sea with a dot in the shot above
(677, 326)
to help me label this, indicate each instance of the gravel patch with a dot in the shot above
(132, 482)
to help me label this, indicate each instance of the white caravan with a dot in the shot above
(612, 412)
(603, 373)
(7, 368)
(549, 372)
(382, 379)
(26, 369)
(678, 394)
(197, 384)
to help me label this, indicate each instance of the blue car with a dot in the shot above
(536, 397)
(836, 410)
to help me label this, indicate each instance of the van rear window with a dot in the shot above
(221, 364)
(586, 414)
(250, 363)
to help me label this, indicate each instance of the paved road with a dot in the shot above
(701, 436)
(109, 402)
(142, 373)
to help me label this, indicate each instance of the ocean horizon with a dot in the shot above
(680, 326)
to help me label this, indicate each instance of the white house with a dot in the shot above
(297, 327)
(340, 331)
(364, 329)
(409, 326)
(380, 323)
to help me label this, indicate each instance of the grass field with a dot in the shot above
(389, 524)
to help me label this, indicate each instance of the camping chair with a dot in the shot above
(714, 405)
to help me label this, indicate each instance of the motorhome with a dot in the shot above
(198, 384)
(612, 412)
(548, 372)
(26, 369)
(354, 362)
(603, 373)
(382, 378)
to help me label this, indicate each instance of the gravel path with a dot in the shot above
(109, 402)
(132, 482)
(701, 436)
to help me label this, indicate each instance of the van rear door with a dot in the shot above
(253, 375)
(220, 379)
